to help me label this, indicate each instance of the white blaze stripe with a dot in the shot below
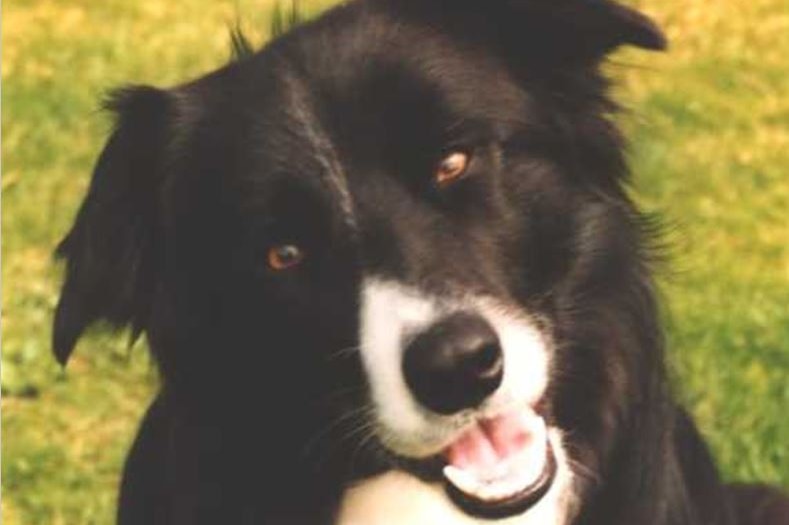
(389, 313)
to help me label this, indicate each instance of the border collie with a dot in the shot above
(390, 273)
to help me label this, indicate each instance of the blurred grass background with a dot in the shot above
(710, 129)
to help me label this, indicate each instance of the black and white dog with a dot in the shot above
(390, 274)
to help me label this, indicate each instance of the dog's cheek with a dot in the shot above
(387, 313)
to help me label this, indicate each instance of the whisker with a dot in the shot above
(342, 353)
(331, 426)
(584, 471)
(364, 443)
(340, 393)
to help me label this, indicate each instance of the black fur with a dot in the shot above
(198, 180)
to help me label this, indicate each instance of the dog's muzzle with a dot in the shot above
(497, 465)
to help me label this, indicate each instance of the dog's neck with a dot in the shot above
(396, 498)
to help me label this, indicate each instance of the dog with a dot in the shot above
(390, 273)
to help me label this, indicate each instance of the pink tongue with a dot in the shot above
(491, 441)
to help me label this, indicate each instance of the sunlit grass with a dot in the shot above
(710, 128)
(711, 153)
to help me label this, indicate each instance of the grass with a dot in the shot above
(710, 129)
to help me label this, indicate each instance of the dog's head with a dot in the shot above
(406, 219)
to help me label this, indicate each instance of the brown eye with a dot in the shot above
(284, 257)
(451, 168)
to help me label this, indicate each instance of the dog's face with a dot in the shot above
(391, 219)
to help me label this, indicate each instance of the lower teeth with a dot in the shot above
(493, 488)
(502, 481)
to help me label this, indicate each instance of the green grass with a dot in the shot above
(710, 129)
(711, 152)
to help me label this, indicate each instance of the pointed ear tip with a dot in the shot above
(62, 352)
(656, 39)
(656, 42)
(643, 31)
(64, 335)
(647, 35)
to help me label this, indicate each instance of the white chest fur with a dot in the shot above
(399, 499)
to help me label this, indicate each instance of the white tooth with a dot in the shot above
(465, 481)
(537, 460)
(489, 492)
(530, 464)
(516, 486)
(500, 490)
(502, 471)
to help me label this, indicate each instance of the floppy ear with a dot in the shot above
(109, 252)
(549, 32)
(561, 32)
(628, 26)
(594, 27)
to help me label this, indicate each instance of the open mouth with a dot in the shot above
(500, 466)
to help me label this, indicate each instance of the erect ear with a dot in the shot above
(109, 252)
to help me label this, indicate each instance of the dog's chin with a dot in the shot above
(496, 468)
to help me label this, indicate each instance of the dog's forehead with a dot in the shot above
(368, 63)
(329, 106)
(357, 89)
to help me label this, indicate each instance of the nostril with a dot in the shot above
(486, 362)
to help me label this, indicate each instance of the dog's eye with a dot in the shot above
(284, 257)
(451, 168)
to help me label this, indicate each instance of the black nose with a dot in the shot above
(455, 364)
